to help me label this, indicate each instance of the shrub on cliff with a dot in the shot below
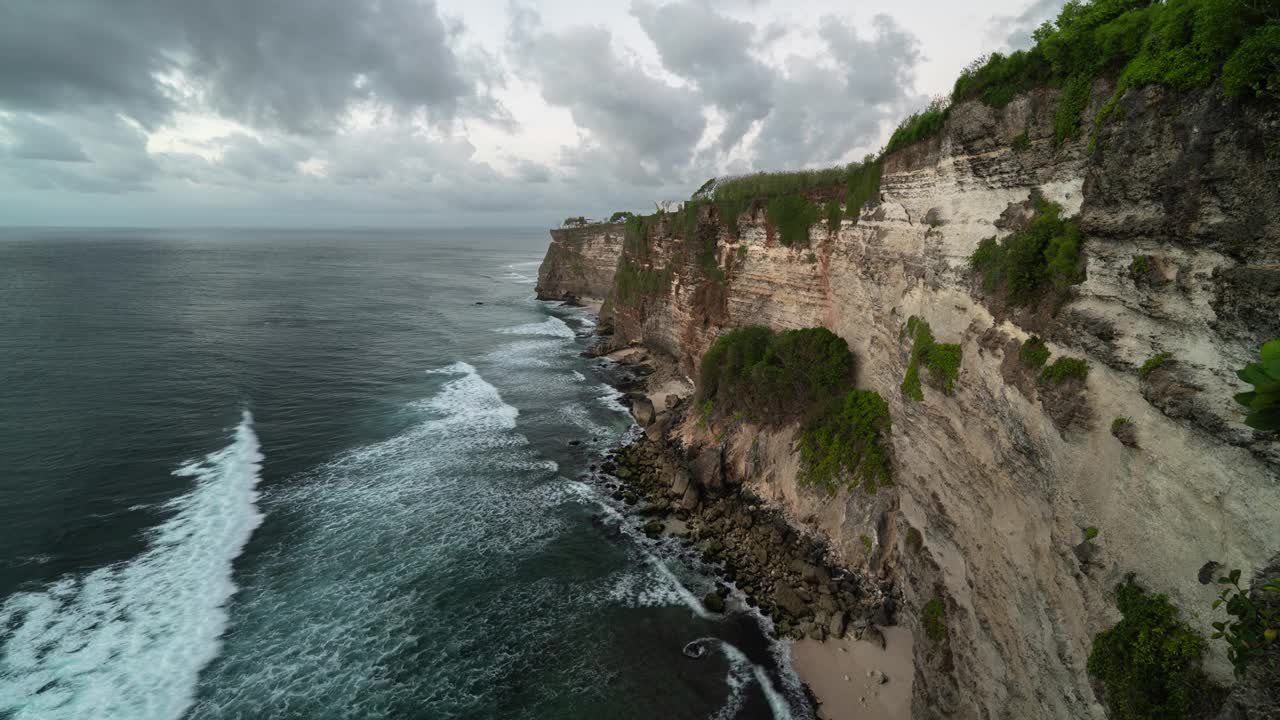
(941, 359)
(1263, 401)
(793, 215)
(1064, 369)
(919, 125)
(844, 442)
(1044, 255)
(1033, 353)
(774, 376)
(1149, 662)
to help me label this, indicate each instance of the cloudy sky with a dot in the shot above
(450, 112)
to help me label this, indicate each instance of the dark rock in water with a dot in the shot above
(654, 528)
(713, 603)
(479, 303)
(609, 467)
(575, 442)
(695, 649)
(722, 590)
(630, 499)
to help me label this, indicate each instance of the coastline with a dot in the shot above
(836, 628)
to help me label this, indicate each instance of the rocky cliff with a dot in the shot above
(579, 263)
(996, 484)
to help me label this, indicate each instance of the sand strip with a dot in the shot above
(836, 671)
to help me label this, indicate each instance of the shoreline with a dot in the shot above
(836, 628)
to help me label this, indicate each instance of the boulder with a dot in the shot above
(653, 528)
(713, 602)
(679, 482)
(642, 411)
(790, 601)
(836, 627)
(690, 498)
(873, 635)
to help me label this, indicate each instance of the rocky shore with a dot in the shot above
(687, 492)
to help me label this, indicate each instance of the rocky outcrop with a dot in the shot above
(996, 483)
(580, 263)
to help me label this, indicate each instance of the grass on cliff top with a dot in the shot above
(1025, 265)
(941, 359)
(1149, 662)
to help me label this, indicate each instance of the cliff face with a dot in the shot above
(580, 262)
(1002, 477)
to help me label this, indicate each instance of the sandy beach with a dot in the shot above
(843, 676)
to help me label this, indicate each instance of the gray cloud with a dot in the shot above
(638, 125)
(713, 51)
(32, 139)
(810, 110)
(294, 64)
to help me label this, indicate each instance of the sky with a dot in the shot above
(451, 113)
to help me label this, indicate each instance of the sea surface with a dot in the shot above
(265, 474)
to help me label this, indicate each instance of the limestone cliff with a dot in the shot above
(999, 480)
(579, 263)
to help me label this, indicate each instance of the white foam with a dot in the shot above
(611, 398)
(552, 326)
(129, 640)
(579, 376)
(738, 663)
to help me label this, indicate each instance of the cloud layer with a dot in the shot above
(374, 106)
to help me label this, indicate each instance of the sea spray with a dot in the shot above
(129, 640)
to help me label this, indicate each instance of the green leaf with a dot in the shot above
(1245, 398)
(1235, 575)
(1271, 350)
(1217, 603)
(1271, 368)
(1264, 419)
(1253, 374)
(1219, 626)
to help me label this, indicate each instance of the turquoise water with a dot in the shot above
(328, 475)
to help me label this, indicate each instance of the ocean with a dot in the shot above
(334, 474)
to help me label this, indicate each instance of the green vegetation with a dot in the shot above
(1020, 143)
(862, 183)
(1149, 662)
(803, 374)
(704, 191)
(774, 375)
(1045, 254)
(1064, 369)
(915, 540)
(1184, 44)
(834, 215)
(844, 440)
(574, 221)
(1256, 624)
(866, 542)
(934, 617)
(1119, 424)
(1090, 533)
(1033, 353)
(1152, 363)
(793, 215)
(1139, 266)
(620, 216)
(919, 126)
(1264, 400)
(635, 279)
(942, 360)
(811, 259)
